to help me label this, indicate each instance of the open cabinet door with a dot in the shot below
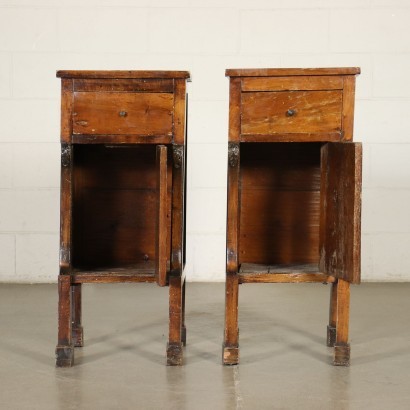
(162, 219)
(341, 185)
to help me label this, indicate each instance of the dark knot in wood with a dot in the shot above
(65, 155)
(233, 153)
(178, 155)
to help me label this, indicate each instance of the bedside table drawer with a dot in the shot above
(291, 112)
(123, 113)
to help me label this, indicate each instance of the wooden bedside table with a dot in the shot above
(123, 156)
(294, 189)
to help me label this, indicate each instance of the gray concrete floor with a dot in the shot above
(284, 361)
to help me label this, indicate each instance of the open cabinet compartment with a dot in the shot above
(279, 206)
(115, 208)
(287, 223)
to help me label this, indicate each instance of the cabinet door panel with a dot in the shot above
(162, 217)
(341, 180)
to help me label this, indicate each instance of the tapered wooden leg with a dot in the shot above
(230, 354)
(183, 336)
(174, 348)
(65, 348)
(331, 328)
(77, 328)
(342, 346)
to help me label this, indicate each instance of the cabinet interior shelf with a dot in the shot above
(142, 272)
(294, 273)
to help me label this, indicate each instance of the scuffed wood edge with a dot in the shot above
(273, 72)
(179, 111)
(234, 109)
(66, 128)
(162, 217)
(348, 107)
(285, 278)
(66, 208)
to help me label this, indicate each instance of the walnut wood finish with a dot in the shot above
(114, 275)
(291, 112)
(331, 328)
(119, 74)
(101, 113)
(279, 203)
(257, 273)
(66, 110)
(230, 353)
(122, 194)
(301, 83)
(348, 107)
(124, 179)
(175, 342)
(65, 347)
(124, 85)
(292, 104)
(162, 249)
(342, 346)
(77, 328)
(341, 208)
(66, 198)
(292, 72)
(294, 183)
(292, 137)
(123, 139)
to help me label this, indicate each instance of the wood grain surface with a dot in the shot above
(341, 210)
(291, 112)
(96, 113)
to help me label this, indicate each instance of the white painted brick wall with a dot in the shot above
(36, 256)
(391, 74)
(196, 31)
(38, 37)
(273, 31)
(28, 29)
(104, 30)
(369, 30)
(5, 75)
(7, 257)
(6, 166)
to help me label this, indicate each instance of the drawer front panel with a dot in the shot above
(123, 113)
(291, 112)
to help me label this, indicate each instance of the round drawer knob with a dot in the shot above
(290, 113)
(123, 113)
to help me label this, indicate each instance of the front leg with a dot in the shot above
(174, 347)
(342, 346)
(77, 328)
(65, 348)
(230, 354)
(331, 328)
(183, 336)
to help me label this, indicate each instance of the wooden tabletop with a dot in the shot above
(99, 74)
(279, 72)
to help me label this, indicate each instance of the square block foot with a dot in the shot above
(64, 356)
(183, 335)
(174, 354)
(78, 336)
(342, 354)
(331, 336)
(230, 355)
